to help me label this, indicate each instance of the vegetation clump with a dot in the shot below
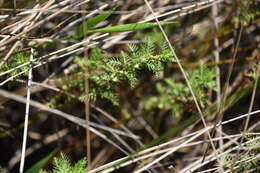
(63, 165)
(106, 74)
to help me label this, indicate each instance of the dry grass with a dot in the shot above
(205, 33)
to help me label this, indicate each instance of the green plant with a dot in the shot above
(92, 22)
(128, 27)
(16, 60)
(63, 165)
(172, 95)
(107, 74)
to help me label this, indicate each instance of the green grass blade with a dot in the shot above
(40, 164)
(99, 18)
(90, 23)
(128, 27)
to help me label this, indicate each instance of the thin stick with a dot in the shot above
(216, 52)
(226, 85)
(87, 100)
(252, 99)
(26, 114)
(214, 11)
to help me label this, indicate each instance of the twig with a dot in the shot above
(214, 11)
(26, 114)
(87, 98)
(252, 98)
